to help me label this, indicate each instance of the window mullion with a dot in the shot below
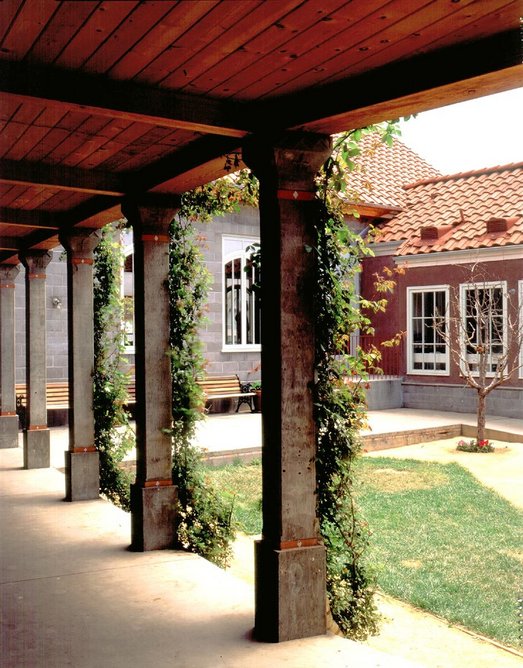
(243, 293)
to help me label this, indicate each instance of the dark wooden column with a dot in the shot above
(153, 495)
(82, 478)
(8, 417)
(36, 433)
(290, 560)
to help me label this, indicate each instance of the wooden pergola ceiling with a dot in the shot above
(102, 99)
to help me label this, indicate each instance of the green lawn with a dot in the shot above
(240, 484)
(441, 540)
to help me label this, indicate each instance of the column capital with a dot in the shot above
(80, 242)
(8, 273)
(151, 214)
(35, 262)
(290, 161)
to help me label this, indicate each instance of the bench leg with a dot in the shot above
(245, 400)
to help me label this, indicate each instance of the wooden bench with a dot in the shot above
(57, 400)
(57, 396)
(227, 387)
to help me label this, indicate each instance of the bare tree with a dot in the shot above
(484, 334)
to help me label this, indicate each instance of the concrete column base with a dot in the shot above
(37, 449)
(8, 431)
(290, 593)
(82, 475)
(152, 517)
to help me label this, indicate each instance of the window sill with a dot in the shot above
(427, 372)
(255, 348)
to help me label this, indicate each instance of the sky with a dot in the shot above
(484, 132)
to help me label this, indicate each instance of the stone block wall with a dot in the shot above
(245, 364)
(384, 393)
(56, 287)
(503, 402)
(244, 224)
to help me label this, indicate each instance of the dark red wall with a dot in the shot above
(395, 317)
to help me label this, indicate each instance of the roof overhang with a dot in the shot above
(151, 97)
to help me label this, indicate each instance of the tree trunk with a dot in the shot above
(482, 408)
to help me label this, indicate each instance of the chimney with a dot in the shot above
(433, 232)
(497, 225)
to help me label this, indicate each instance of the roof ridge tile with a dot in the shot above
(461, 175)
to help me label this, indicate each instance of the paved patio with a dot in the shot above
(73, 594)
(229, 436)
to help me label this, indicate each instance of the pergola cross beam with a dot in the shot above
(101, 96)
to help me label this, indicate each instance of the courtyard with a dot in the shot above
(194, 614)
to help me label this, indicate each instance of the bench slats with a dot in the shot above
(225, 387)
(214, 387)
(57, 394)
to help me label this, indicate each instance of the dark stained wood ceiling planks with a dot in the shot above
(440, 31)
(103, 98)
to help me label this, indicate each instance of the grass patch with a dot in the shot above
(444, 543)
(441, 540)
(240, 484)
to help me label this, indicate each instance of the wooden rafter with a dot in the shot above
(100, 96)
(61, 177)
(25, 218)
(9, 244)
(398, 88)
(75, 142)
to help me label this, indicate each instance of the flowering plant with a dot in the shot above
(475, 446)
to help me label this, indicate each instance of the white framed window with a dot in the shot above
(520, 325)
(128, 298)
(241, 302)
(427, 325)
(483, 308)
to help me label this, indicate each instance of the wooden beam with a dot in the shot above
(130, 101)
(89, 209)
(101, 209)
(61, 177)
(8, 244)
(24, 218)
(372, 211)
(423, 82)
(195, 155)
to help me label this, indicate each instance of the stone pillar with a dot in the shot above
(82, 477)
(36, 433)
(290, 559)
(153, 496)
(8, 417)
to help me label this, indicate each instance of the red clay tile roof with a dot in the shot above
(382, 171)
(459, 208)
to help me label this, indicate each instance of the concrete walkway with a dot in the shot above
(73, 595)
(229, 436)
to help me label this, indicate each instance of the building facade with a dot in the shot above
(459, 298)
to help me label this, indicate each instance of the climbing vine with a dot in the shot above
(220, 197)
(203, 520)
(113, 434)
(340, 405)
